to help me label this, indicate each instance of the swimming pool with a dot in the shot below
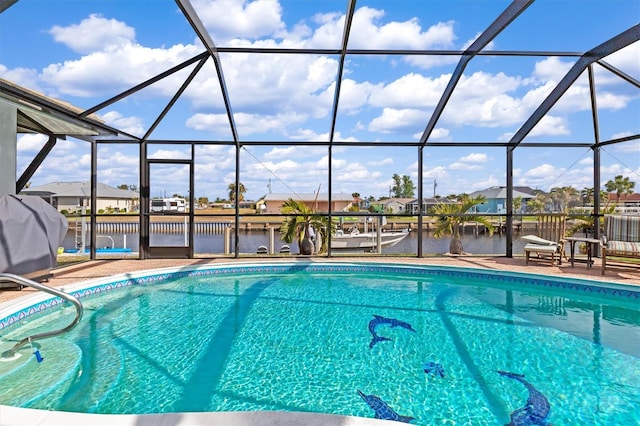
(311, 337)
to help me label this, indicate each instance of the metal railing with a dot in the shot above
(38, 286)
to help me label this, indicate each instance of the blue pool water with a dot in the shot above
(301, 338)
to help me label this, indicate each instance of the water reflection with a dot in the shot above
(601, 323)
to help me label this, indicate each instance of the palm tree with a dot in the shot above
(452, 215)
(298, 226)
(232, 192)
(587, 196)
(517, 204)
(356, 200)
(620, 185)
(538, 204)
(564, 195)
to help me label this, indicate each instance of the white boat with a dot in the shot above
(356, 240)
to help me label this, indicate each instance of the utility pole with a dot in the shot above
(435, 185)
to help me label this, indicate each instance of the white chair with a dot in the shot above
(549, 243)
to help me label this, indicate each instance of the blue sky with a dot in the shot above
(85, 52)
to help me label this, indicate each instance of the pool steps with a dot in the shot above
(48, 380)
(106, 376)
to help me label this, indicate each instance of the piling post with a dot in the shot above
(272, 240)
(227, 240)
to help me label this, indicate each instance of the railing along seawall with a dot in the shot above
(156, 227)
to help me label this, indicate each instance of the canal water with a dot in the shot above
(249, 241)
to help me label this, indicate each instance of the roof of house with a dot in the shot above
(624, 198)
(396, 200)
(500, 192)
(308, 197)
(432, 200)
(81, 189)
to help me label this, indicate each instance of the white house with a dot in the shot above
(70, 196)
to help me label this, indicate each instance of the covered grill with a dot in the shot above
(31, 230)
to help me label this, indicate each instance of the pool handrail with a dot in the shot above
(5, 276)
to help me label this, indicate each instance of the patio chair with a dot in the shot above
(621, 239)
(549, 241)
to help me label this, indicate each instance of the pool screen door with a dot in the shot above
(170, 224)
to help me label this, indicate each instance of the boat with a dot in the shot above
(356, 240)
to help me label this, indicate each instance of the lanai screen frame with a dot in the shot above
(585, 61)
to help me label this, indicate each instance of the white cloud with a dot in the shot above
(551, 69)
(482, 99)
(280, 152)
(459, 165)
(170, 154)
(30, 143)
(368, 32)
(25, 77)
(301, 84)
(246, 124)
(630, 147)
(107, 72)
(474, 158)
(550, 125)
(438, 134)
(627, 60)
(384, 162)
(402, 92)
(131, 125)
(438, 172)
(94, 33)
(588, 161)
(241, 18)
(481, 184)
(397, 119)
(542, 170)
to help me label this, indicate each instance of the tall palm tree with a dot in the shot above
(620, 185)
(298, 226)
(356, 200)
(538, 204)
(587, 196)
(564, 195)
(604, 197)
(232, 192)
(452, 215)
(517, 204)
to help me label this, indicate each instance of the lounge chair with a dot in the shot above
(262, 250)
(549, 241)
(621, 239)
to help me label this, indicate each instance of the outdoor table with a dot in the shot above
(589, 242)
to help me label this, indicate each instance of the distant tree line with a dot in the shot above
(559, 198)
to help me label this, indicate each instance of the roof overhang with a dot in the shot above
(42, 114)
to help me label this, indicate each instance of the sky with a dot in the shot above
(85, 52)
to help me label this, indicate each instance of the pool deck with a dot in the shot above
(62, 277)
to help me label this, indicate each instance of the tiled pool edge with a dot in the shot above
(30, 305)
